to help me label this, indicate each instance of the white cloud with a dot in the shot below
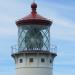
(8, 31)
(63, 29)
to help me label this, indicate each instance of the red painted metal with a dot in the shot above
(33, 18)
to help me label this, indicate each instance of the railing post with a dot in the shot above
(53, 49)
(14, 49)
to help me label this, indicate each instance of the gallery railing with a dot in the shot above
(14, 49)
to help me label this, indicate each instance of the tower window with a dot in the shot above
(42, 60)
(21, 60)
(50, 61)
(31, 60)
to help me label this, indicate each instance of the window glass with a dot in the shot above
(42, 60)
(50, 61)
(31, 60)
(21, 60)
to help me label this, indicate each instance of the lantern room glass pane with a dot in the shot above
(33, 37)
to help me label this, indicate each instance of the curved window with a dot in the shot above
(33, 37)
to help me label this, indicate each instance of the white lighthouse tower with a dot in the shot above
(35, 55)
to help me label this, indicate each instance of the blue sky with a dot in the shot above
(61, 12)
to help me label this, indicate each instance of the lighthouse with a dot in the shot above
(34, 55)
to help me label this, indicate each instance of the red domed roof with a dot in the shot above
(33, 18)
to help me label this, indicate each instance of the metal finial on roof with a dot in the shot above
(34, 6)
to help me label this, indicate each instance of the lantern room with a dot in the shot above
(33, 31)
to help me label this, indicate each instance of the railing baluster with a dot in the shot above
(14, 49)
